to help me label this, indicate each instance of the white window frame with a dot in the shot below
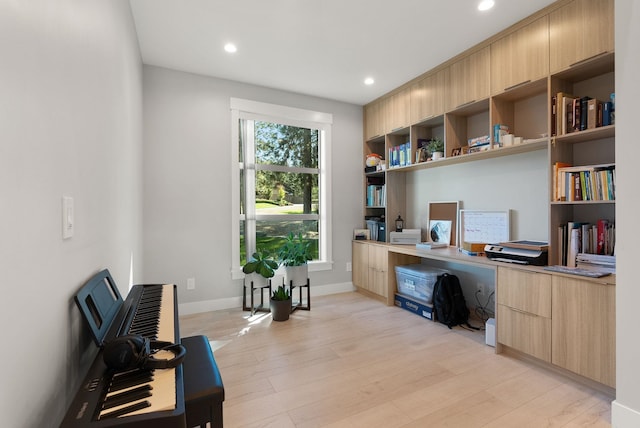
(247, 109)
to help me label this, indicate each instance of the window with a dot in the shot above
(281, 180)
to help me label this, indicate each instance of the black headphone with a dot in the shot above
(133, 351)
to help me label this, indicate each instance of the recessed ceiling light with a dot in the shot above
(369, 81)
(485, 5)
(230, 47)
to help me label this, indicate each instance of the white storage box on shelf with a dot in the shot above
(417, 280)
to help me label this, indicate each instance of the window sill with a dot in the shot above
(236, 273)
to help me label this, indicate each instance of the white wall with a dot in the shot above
(70, 124)
(626, 407)
(514, 183)
(187, 171)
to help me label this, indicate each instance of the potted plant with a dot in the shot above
(260, 268)
(436, 148)
(280, 304)
(294, 255)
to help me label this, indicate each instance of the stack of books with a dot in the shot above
(479, 144)
(596, 262)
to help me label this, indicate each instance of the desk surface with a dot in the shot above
(451, 254)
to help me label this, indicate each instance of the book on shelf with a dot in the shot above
(594, 113)
(470, 253)
(557, 191)
(430, 245)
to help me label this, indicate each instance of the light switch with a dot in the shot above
(67, 217)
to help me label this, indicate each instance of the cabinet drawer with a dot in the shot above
(525, 291)
(525, 332)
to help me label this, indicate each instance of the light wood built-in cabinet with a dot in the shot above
(512, 79)
(524, 311)
(373, 120)
(360, 264)
(397, 111)
(427, 96)
(520, 57)
(469, 79)
(584, 328)
(580, 30)
(370, 268)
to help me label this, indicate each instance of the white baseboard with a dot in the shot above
(236, 302)
(623, 416)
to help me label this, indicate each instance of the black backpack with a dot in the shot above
(448, 301)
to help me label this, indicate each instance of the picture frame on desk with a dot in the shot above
(447, 211)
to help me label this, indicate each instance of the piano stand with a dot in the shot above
(256, 308)
(203, 388)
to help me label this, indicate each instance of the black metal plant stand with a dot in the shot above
(256, 308)
(300, 303)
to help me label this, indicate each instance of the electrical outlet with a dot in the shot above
(191, 283)
(481, 289)
(348, 266)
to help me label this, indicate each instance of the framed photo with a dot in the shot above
(440, 231)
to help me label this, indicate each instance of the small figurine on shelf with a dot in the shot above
(399, 224)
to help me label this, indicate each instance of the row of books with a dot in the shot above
(400, 155)
(376, 195)
(584, 183)
(585, 238)
(572, 114)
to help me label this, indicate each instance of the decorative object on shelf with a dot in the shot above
(260, 268)
(280, 304)
(436, 148)
(456, 152)
(372, 159)
(399, 224)
(361, 234)
(294, 255)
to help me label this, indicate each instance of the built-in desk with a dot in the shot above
(562, 320)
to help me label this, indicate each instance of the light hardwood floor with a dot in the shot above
(354, 362)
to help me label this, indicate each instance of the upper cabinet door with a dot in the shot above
(469, 79)
(580, 30)
(427, 96)
(373, 120)
(397, 110)
(520, 57)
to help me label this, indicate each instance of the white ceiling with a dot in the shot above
(323, 48)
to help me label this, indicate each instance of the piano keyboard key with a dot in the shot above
(162, 396)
